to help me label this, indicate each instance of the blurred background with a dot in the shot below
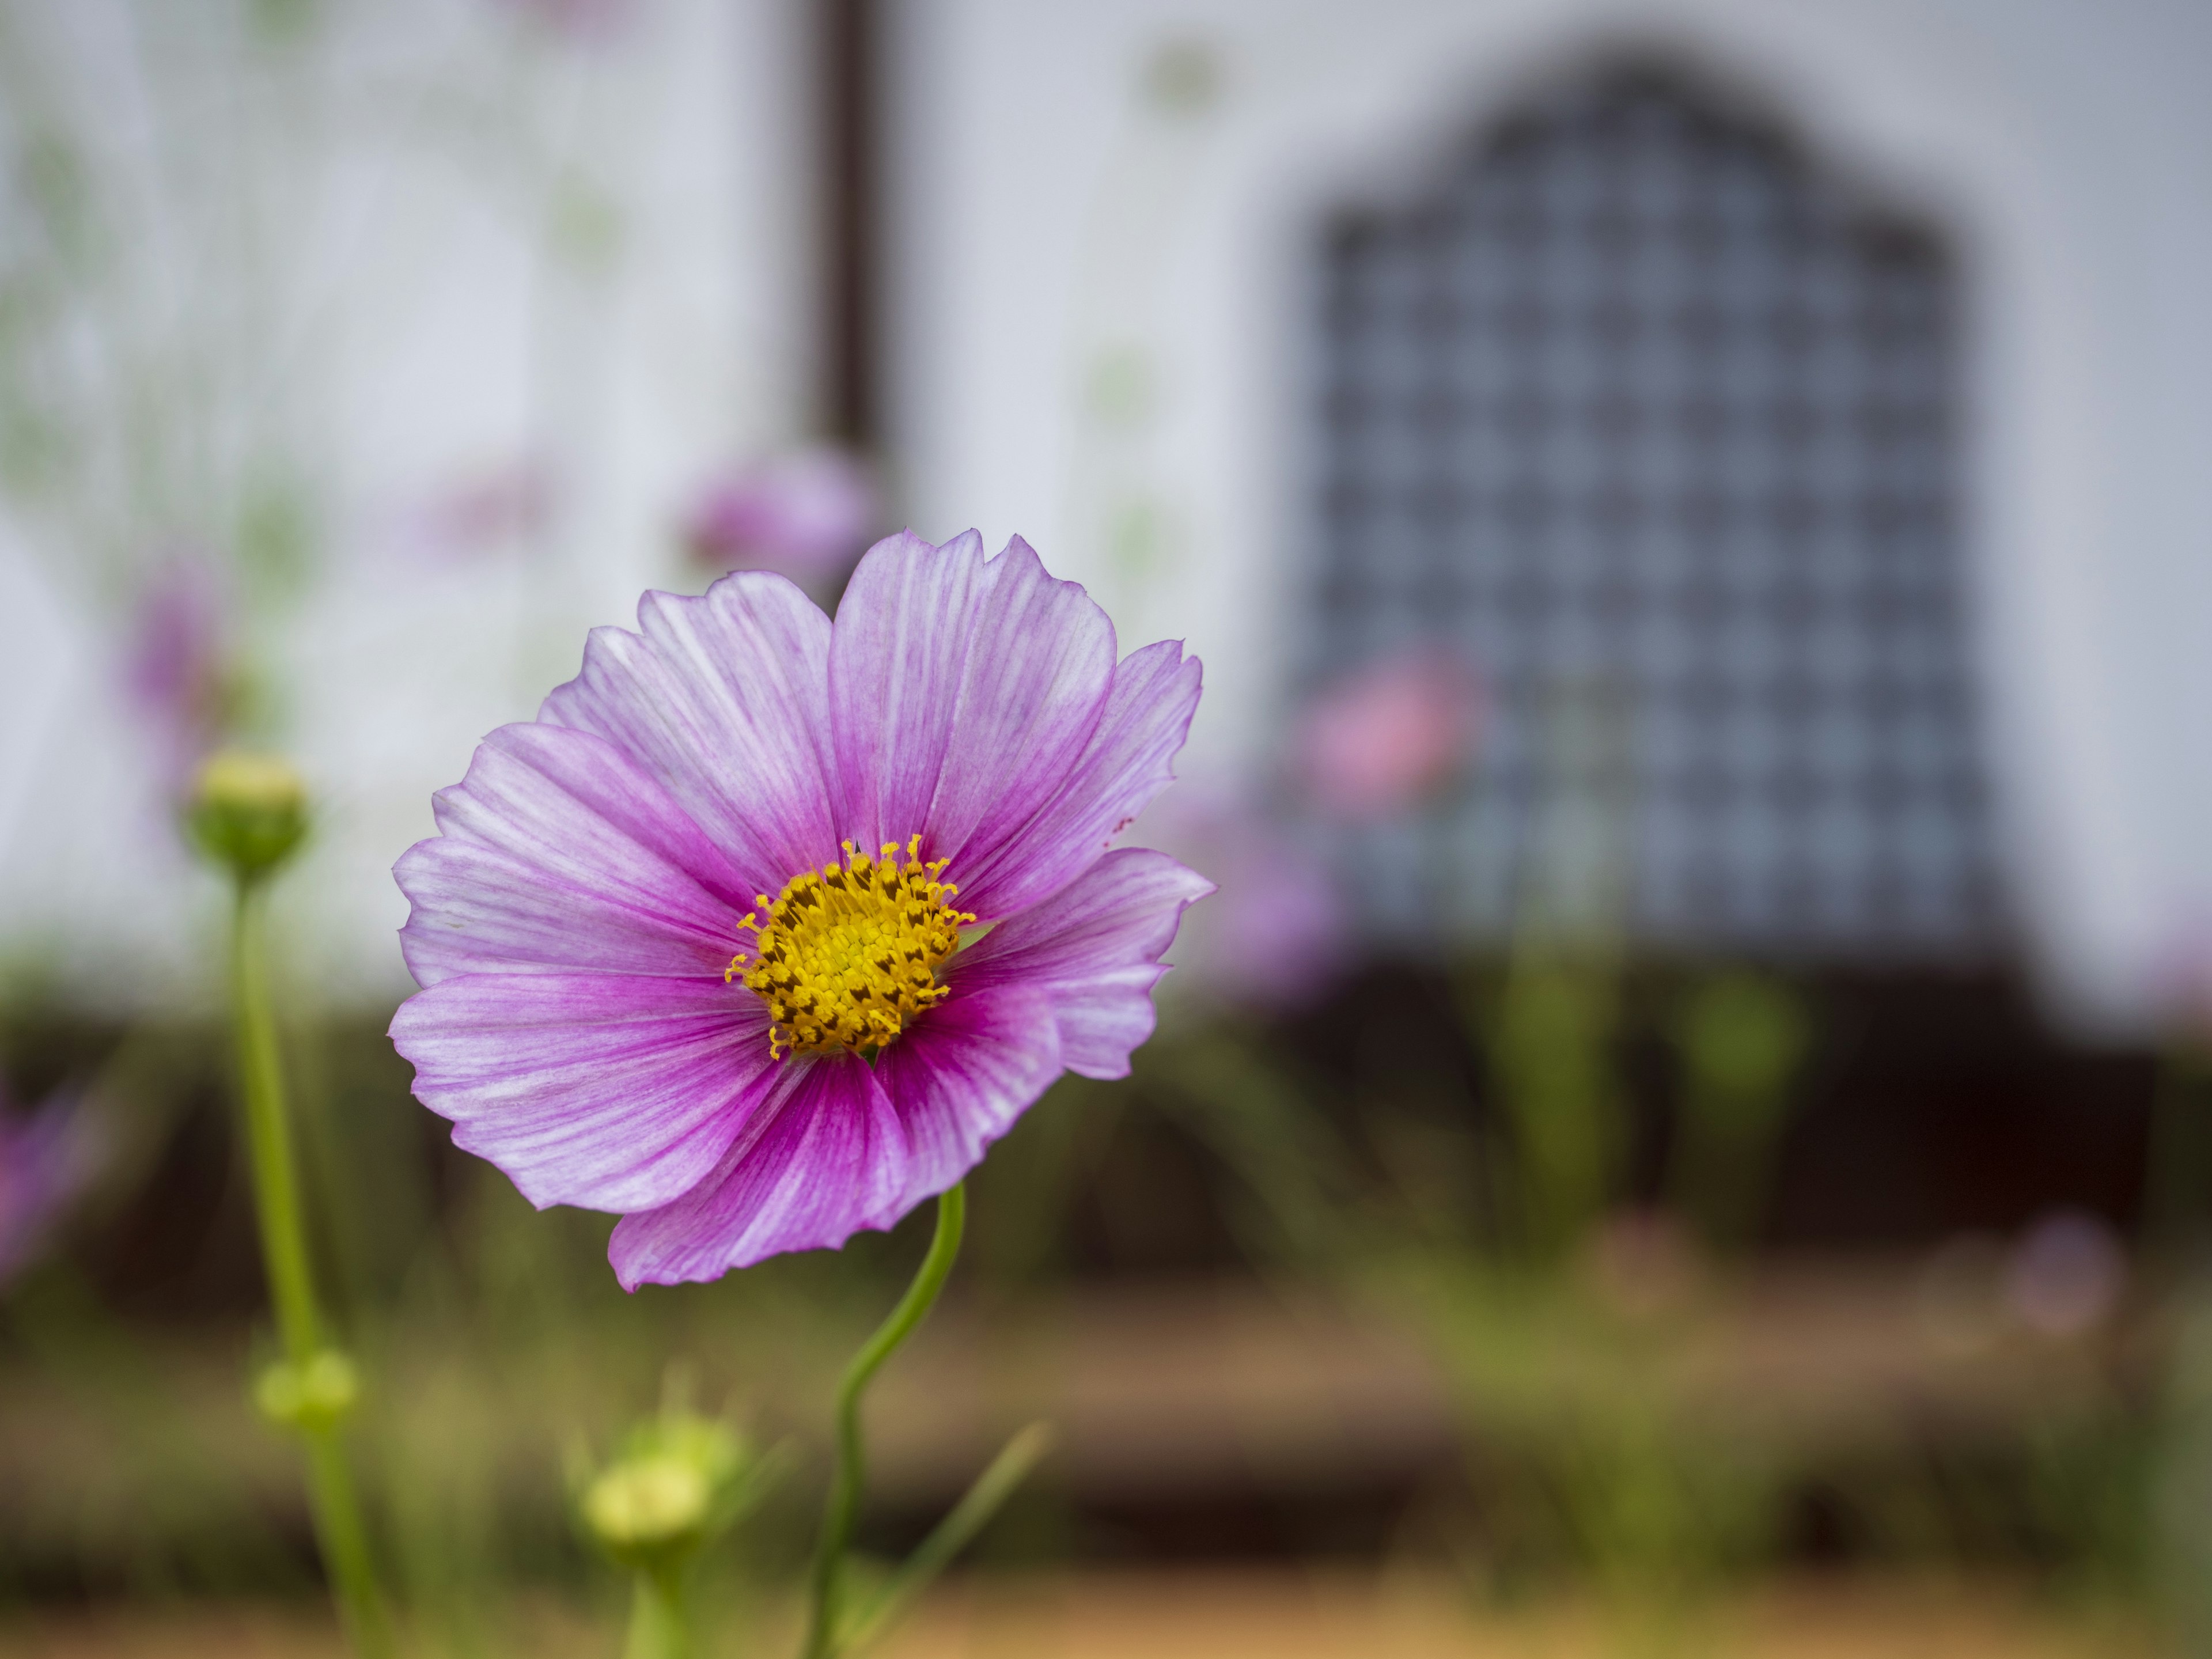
(1688, 1125)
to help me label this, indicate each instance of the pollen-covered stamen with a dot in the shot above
(848, 957)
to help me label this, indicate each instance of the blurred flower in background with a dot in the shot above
(47, 1159)
(806, 515)
(485, 511)
(1271, 936)
(2179, 987)
(1278, 924)
(1383, 738)
(2065, 1276)
(177, 669)
(579, 21)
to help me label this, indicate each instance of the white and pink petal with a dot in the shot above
(896, 660)
(966, 691)
(826, 1155)
(612, 1091)
(724, 698)
(1040, 665)
(962, 1075)
(558, 852)
(1093, 951)
(1128, 760)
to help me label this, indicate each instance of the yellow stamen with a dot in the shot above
(848, 958)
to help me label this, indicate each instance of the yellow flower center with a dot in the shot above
(848, 958)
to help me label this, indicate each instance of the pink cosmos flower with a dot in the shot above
(1265, 941)
(692, 942)
(1376, 741)
(575, 20)
(2066, 1274)
(804, 514)
(485, 511)
(47, 1157)
(176, 663)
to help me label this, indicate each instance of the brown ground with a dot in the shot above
(1274, 1615)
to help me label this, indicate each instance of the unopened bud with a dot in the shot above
(316, 1393)
(669, 1490)
(644, 1503)
(248, 812)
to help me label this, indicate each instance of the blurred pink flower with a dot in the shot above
(176, 663)
(1642, 1261)
(2179, 983)
(2066, 1274)
(575, 20)
(1279, 921)
(484, 511)
(47, 1157)
(1271, 936)
(1377, 740)
(804, 515)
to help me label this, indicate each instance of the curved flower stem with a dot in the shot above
(337, 1509)
(823, 1635)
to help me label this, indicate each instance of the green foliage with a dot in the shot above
(1551, 1053)
(1742, 1039)
(276, 536)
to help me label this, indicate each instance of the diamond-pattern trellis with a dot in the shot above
(1661, 427)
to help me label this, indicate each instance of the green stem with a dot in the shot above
(332, 1499)
(344, 1541)
(823, 1637)
(268, 1135)
(657, 1629)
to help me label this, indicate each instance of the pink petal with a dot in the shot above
(825, 1158)
(1040, 662)
(1093, 950)
(1128, 760)
(962, 1073)
(896, 668)
(614, 1091)
(559, 852)
(724, 698)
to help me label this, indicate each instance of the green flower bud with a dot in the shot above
(248, 812)
(677, 1481)
(315, 1393)
(646, 1504)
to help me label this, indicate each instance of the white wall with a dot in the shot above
(1064, 241)
(420, 250)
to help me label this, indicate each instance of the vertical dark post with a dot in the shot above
(848, 32)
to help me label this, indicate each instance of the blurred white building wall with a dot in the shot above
(1104, 215)
(478, 292)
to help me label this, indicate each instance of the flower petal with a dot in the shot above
(1040, 665)
(558, 851)
(895, 666)
(724, 698)
(962, 1073)
(615, 1092)
(1128, 760)
(826, 1157)
(1094, 950)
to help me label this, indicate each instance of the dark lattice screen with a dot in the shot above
(1660, 426)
